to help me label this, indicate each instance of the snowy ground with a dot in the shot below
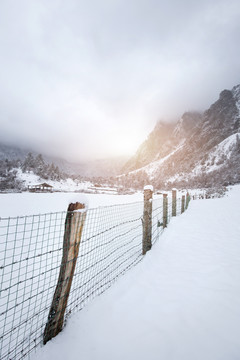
(181, 303)
(36, 203)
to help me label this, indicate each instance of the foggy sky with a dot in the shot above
(89, 79)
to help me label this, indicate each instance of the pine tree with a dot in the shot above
(28, 163)
(40, 166)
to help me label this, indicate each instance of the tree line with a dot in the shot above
(36, 164)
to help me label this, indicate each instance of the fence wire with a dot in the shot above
(31, 250)
(111, 244)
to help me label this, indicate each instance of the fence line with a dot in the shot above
(31, 249)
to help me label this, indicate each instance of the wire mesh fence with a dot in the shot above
(110, 245)
(32, 248)
(32, 251)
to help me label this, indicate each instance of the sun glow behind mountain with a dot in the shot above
(123, 141)
(77, 83)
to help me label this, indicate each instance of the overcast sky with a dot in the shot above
(89, 79)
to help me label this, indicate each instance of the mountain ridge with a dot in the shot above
(189, 145)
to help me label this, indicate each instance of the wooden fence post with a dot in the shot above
(147, 219)
(72, 236)
(174, 202)
(165, 210)
(183, 204)
(187, 199)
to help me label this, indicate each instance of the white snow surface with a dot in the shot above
(148, 187)
(20, 204)
(182, 302)
(80, 198)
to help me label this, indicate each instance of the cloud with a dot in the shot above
(89, 79)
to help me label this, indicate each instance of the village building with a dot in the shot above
(40, 188)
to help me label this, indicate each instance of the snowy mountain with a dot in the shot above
(200, 149)
(164, 140)
(156, 146)
(95, 168)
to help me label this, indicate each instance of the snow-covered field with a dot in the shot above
(36, 203)
(181, 303)
(30, 256)
(31, 249)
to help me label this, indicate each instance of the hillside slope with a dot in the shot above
(193, 150)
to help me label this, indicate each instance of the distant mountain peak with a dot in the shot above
(225, 94)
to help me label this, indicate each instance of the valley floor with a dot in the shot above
(20, 204)
(182, 302)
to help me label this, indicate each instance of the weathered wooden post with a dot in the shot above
(147, 219)
(187, 199)
(165, 210)
(183, 204)
(75, 218)
(174, 202)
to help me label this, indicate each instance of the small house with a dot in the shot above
(40, 188)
